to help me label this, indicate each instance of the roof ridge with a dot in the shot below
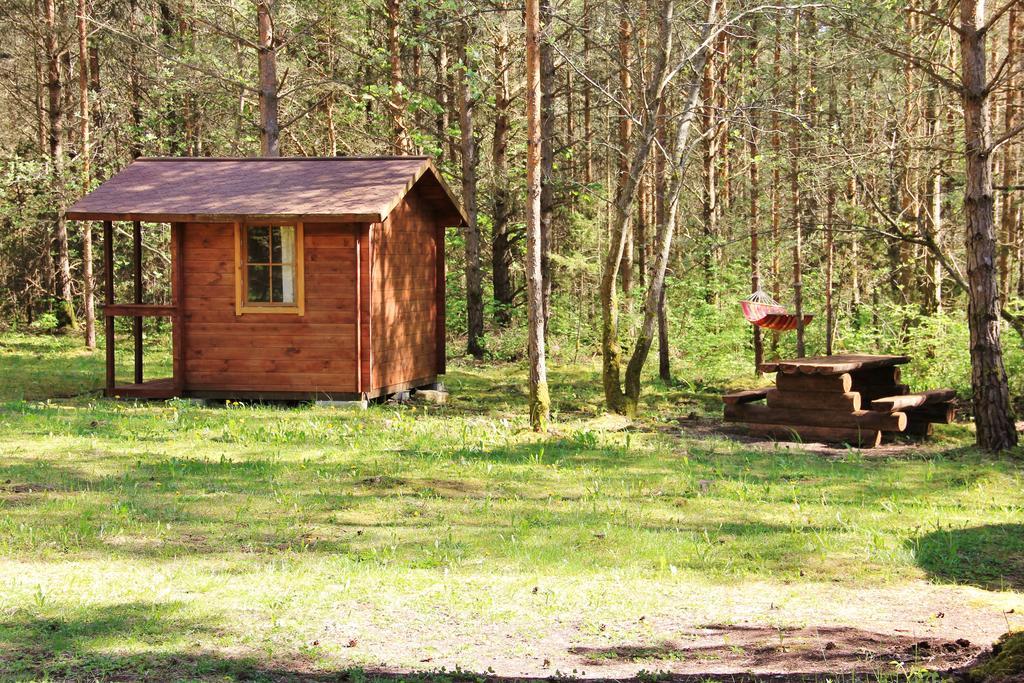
(409, 157)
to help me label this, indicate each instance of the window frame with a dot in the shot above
(242, 303)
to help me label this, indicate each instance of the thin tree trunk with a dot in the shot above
(474, 272)
(402, 143)
(663, 240)
(88, 282)
(709, 178)
(270, 132)
(442, 120)
(755, 199)
(1011, 214)
(830, 244)
(992, 412)
(547, 132)
(625, 196)
(588, 162)
(794, 188)
(625, 132)
(539, 399)
(501, 242)
(660, 186)
(776, 141)
(55, 89)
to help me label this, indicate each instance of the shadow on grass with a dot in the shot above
(96, 643)
(989, 556)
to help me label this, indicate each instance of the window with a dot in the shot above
(268, 276)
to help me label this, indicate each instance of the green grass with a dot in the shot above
(172, 540)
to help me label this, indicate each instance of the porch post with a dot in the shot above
(108, 299)
(177, 300)
(137, 320)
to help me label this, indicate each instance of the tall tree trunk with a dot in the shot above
(501, 242)
(88, 282)
(402, 143)
(474, 272)
(588, 161)
(55, 89)
(660, 187)
(663, 240)
(709, 178)
(933, 204)
(539, 400)
(794, 188)
(270, 132)
(830, 216)
(441, 94)
(776, 188)
(625, 197)
(547, 154)
(755, 198)
(992, 412)
(625, 131)
(1011, 214)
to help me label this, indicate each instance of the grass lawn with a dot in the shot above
(173, 541)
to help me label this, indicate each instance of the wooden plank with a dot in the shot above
(178, 236)
(877, 376)
(865, 438)
(367, 300)
(840, 383)
(814, 400)
(919, 428)
(157, 389)
(298, 340)
(859, 419)
(358, 310)
(108, 297)
(940, 413)
(273, 381)
(140, 310)
(294, 354)
(137, 273)
(890, 403)
(870, 393)
(334, 366)
(740, 397)
(833, 365)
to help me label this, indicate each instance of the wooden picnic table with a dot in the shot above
(834, 365)
(852, 398)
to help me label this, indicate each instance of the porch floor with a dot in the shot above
(154, 388)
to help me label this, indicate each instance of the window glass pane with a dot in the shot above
(275, 244)
(286, 274)
(259, 284)
(258, 244)
(275, 284)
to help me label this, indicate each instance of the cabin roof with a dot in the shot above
(321, 189)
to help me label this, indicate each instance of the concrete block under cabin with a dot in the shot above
(291, 278)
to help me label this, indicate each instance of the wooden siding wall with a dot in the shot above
(270, 353)
(405, 310)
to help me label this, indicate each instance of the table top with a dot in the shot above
(833, 365)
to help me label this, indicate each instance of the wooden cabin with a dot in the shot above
(291, 278)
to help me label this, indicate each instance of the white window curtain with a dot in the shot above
(288, 264)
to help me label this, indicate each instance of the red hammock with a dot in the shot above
(763, 311)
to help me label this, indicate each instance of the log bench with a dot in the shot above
(854, 399)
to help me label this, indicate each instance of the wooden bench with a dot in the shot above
(749, 396)
(889, 404)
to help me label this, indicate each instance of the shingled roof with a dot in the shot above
(349, 189)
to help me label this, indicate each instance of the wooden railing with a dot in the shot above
(138, 310)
